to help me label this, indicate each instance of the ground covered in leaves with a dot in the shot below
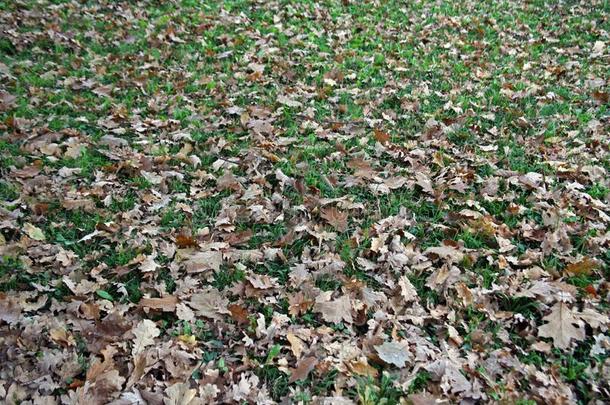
(325, 202)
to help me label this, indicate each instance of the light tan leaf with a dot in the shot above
(288, 101)
(203, 261)
(210, 303)
(464, 293)
(166, 304)
(407, 290)
(424, 182)
(33, 232)
(396, 353)
(334, 311)
(145, 334)
(296, 344)
(447, 253)
(179, 394)
(593, 318)
(560, 326)
(148, 264)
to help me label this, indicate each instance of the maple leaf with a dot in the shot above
(560, 326)
(335, 217)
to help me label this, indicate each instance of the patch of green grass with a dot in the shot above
(226, 277)
(422, 378)
(376, 392)
(328, 282)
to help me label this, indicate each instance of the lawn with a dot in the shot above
(314, 202)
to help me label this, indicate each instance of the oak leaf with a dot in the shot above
(560, 326)
(145, 334)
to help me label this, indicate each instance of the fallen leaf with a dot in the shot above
(582, 267)
(303, 368)
(34, 232)
(209, 303)
(334, 311)
(145, 334)
(335, 217)
(560, 326)
(239, 314)
(166, 304)
(448, 253)
(424, 182)
(396, 353)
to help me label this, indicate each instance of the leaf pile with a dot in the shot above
(324, 202)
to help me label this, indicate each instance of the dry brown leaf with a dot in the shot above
(34, 232)
(210, 303)
(583, 267)
(448, 253)
(165, 304)
(362, 367)
(239, 314)
(296, 344)
(424, 182)
(561, 326)
(303, 368)
(335, 217)
(334, 311)
(381, 137)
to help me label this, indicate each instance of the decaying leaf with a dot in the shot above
(165, 304)
(209, 303)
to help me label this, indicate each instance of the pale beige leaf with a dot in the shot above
(396, 353)
(145, 334)
(561, 326)
(33, 232)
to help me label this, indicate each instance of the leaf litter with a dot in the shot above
(304, 202)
